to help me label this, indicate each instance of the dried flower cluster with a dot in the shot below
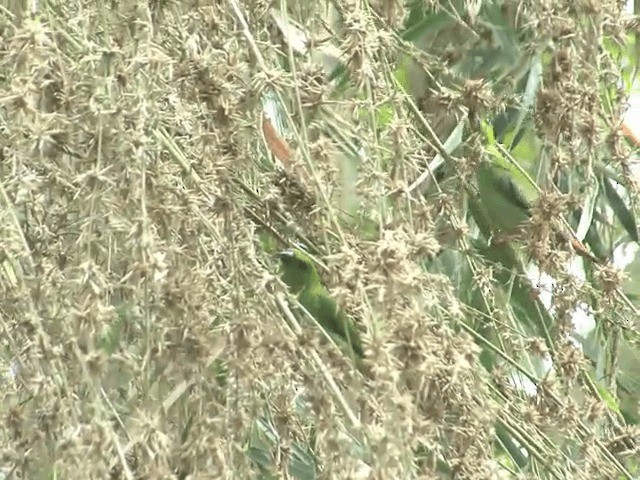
(138, 293)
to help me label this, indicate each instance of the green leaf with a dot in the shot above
(586, 215)
(608, 399)
(428, 25)
(622, 212)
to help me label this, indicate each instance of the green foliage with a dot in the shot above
(142, 204)
(497, 98)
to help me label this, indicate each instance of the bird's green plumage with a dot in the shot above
(300, 274)
(505, 206)
(501, 198)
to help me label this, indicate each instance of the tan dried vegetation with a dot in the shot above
(140, 303)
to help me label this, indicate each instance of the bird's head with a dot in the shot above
(298, 270)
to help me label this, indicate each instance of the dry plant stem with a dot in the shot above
(525, 439)
(588, 381)
(163, 240)
(421, 183)
(333, 387)
(177, 392)
(435, 143)
(513, 161)
(304, 138)
(122, 457)
(246, 31)
(177, 154)
(19, 274)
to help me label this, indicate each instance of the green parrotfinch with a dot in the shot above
(506, 205)
(303, 280)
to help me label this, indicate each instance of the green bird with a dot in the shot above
(301, 276)
(506, 205)
(501, 198)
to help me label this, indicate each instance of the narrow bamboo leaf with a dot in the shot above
(621, 211)
(429, 24)
(586, 216)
